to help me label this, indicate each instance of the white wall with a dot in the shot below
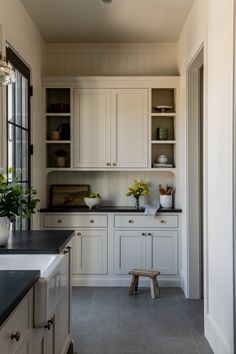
(18, 29)
(111, 59)
(211, 22)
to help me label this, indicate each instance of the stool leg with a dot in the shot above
(136, 283)
(152, 288)
(156, 287)
(131, 289)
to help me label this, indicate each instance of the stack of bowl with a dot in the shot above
(162, 134)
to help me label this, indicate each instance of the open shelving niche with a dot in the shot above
(56, 115)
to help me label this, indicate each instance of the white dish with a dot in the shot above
(91, 202)
(164, 108)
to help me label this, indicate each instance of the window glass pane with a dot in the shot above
(18, 147)
(11, 145)
(24, 102)
(25, 155)
(11, 103)
(18, 98)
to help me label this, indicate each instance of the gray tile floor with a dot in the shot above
(108, 321)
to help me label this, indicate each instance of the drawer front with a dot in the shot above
(17, 322)
(74, 221)
(160, 221)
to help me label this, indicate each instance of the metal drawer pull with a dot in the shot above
(67, 250)
(78, 233)
(91, 221)
(59, 221)
(149, 234)
(16, 336)
(144, 234)
(163, 221)
(131, 221)
(108, 164)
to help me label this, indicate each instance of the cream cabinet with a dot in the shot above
(106, 121)
(90, 252)
(145, 249)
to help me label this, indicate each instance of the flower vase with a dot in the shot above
(4, 230)
(137, 203)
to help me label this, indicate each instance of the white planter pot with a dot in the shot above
(4, 230)
(166, 201)
(91, 202)
(61, 161)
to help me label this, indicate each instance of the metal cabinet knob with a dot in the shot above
(59, 221)
(78, 233)
(108, 164)
(149, 234)
(16, 336)
(163, 221)
(131, 221)
(67, 250)
(91, 221)
(114, 164)
(144, 234)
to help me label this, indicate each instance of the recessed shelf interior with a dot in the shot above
(163, 97)
(55, 123)
(51, 156)
(58, 100)
(163, 122)
(163, 149)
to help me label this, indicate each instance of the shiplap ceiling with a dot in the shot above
(121, 21)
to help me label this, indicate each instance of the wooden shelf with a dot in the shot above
(58, 114)
(163, 142)
(171, 114)
(58, 141)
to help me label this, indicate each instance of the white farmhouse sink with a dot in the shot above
(48, 289)
(45, 263)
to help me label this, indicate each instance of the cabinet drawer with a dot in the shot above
(17, 322)
(74, 221)
(160, 221)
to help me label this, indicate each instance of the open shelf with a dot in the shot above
(163, 142)
(58, 142)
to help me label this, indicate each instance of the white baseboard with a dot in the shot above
(119, 281)
(215, 337)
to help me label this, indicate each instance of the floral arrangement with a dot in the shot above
(166, 190)
(14, 199)
(137, 189)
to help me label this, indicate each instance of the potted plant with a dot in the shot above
(136, 190)
(92, 200)
(61, 157)
(166, 196)
(15, 201)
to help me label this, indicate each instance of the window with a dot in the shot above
(18, 124)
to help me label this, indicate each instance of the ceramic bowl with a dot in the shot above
(91, 202)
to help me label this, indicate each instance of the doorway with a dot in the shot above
(195, 187)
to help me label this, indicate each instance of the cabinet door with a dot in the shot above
(162, 251)
(91, 127)
(129, 251)
(129, 127)
(62, 316)
(49, 340)
(90, 254)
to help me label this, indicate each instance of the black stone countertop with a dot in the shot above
(105, 209)
(37, 242)
(15, 284)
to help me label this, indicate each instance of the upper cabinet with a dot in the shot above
(110, 128)
(104, 123)
(91, 131)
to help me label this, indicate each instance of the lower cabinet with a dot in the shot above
(145, 249)
(90, 252)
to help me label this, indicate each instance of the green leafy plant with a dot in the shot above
(137, 189)
(61, 153)
(16, 201)
(94, 195)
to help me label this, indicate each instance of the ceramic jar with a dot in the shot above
(162, 159)
(61, 161)
(166, 201)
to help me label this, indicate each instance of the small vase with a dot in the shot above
(137, 204)
(4, 230)
(166, 201)
(61, 161)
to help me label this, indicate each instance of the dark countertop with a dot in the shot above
(105, 209)
(15, 284)
(37, 242)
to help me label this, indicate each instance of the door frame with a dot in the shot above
(193, 200)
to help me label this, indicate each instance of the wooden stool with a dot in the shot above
(136, 273)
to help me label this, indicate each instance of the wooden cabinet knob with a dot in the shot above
(16, 336)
